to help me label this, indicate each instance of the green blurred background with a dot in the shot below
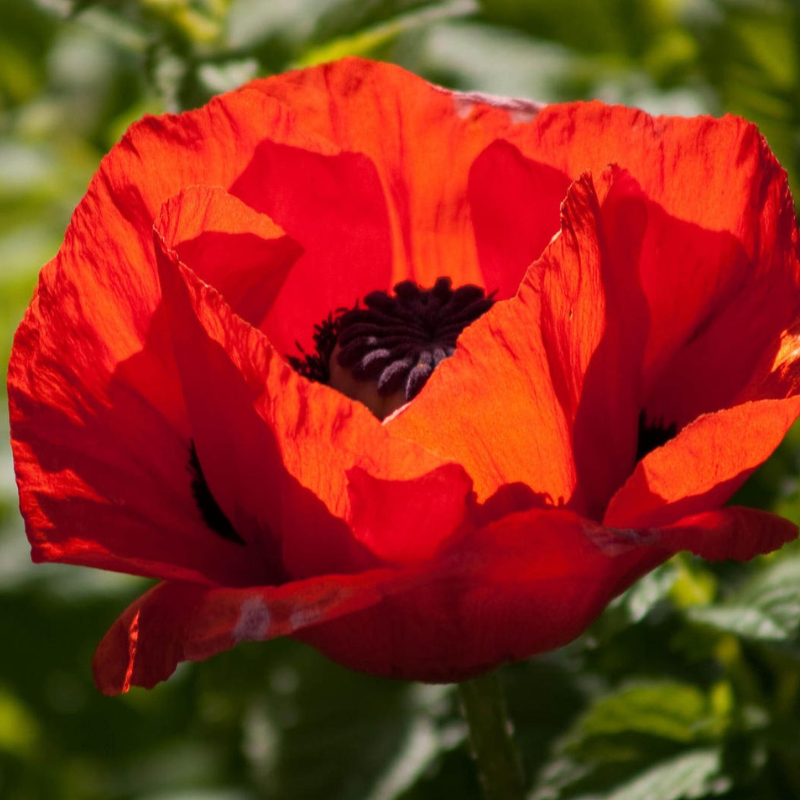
(689, 685)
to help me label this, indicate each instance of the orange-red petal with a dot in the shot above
(281, 449)
(99, 427)
(422, 140)
(703, 465)
(531, 582)
(719, 260)
(565, 357)
(333, 205)
(733, 532)
(515, 204)
(528, 583)
(244, 255)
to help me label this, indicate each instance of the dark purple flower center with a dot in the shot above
(393, 341)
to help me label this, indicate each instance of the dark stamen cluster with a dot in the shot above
(398, 340)
(316, 366)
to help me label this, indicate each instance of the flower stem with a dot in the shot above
(491, 736)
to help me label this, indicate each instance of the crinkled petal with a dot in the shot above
(99, 428)
(515, 204)
(422, 140)
(567, 352)
(703, 465)
(529, 583)
(278, 451)
(244, 255)
(733, 532)
(97, 490)
(333, 205)
(777, 375)
(237, 456)
(594, 325)
(176, 622)
(719, 260)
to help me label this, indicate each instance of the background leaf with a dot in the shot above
(687, 687)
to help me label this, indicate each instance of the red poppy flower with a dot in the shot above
(624, 294)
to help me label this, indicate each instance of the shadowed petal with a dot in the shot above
(404, 521)
(515, 205)
(733, 532)
(703, 465)
(565, 357)
(529, 583)
(334, 206)
(278, 449)
(241, 253)
(235, 450)
(526, 584)
(176, 622)
(422, 141)
(719, 261)
(99, 428)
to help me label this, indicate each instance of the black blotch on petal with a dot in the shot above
(208, 507)
(652, 435)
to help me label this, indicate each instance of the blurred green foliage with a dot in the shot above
(687, 687)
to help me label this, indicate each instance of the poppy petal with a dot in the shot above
(718, 263)
(127, 507)
(237, 457)
(567, 353)
(176, 622)
(777, 375)
(244, 255)
(595, 324)
(740, 322)
(92, 365)
(732, 532)
(515, 204)
(525, 593)
(224, 364)
(333, 205)
(703, 465)
(531, 582)
(405, 521)
(384, 112)
(288, 463)
(517, 435)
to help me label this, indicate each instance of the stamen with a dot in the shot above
(392, 344)
(315, 366)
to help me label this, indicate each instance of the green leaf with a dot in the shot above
(313, 729)
(635, 604)
(766, 609)
(625, 735)
(19, 732)
(680, 712)
(689, 775)
(366, 41)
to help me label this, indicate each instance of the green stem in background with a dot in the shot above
(491, 738)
